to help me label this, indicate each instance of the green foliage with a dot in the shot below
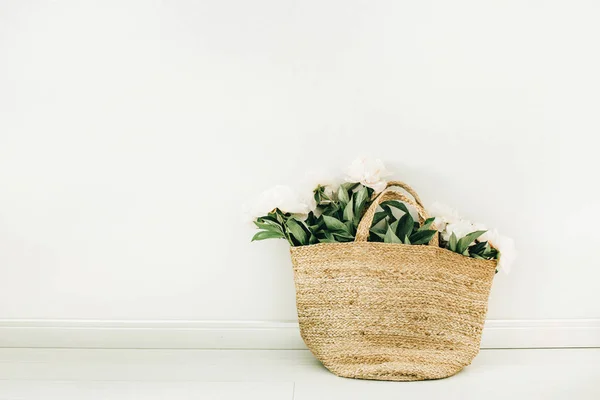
(388, 229)
(335, 225)
(470, 247)
(453, 242)
(379, 216)
(335, 220)
(483, 250)
(343, 196)
(390, 236)
(463, 244)
(360, 200)
(297, 232)
(394, 203)
(337, 217)
(338, 214)
(423, 236)
(427, 224)
(262, 235)
(273, 226)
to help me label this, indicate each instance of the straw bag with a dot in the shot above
(385, 311)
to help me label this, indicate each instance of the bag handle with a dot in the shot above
(362, 232)
(410, 190)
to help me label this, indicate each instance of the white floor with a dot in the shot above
(25, 374)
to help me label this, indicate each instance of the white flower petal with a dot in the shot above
(314, 179)
(446, 213)
(368, 172)
(508, 253)
(490, 236)
(460, 228)
(448, 221)
(439, 224)
(283, 198)
(378, 186)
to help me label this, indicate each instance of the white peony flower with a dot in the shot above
(506, 247)
(313, 179)
(508, 253)
(444, 215)
(448, 221)
(479, 227)
(368, 172)
(460, 228)
(490, 236)
(283, 198)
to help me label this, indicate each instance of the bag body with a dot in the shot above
(385, 311)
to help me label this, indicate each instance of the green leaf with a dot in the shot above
(327, 237)
(270, 217)
(428, 222)
(341, 237)
(395, 204)
(330, 209)
(378, 234)
(349, 226)
(390, 215)
(452, 242)
(349, 210)
(297, 232)
(390, 236)
(378, 217)
(318, 195)
(387, 209)
(313, 239)
(374, 238)
(280, 217)
(335, 225)
(262, 235)
(380, 231)
(478, 248)
(268, 225)
(348, 186)
(406, 240)
(422, 236)
(491, 253)
(343, 197)
(316, 224)
(405, 225)
(394, 226)
(465, 242)
(360, 201)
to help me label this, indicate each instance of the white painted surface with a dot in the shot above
(509, 334)
(186, 374)
(92, 390)
(132, 131)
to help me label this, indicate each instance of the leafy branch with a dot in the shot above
(337, 217)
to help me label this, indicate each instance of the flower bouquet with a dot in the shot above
(385, 288)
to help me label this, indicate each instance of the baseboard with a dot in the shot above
(259, 334)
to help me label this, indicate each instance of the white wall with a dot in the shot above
(132, 132)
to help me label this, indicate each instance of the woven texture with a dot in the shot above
(391, 311)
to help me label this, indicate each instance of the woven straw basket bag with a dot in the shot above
(385, 311)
